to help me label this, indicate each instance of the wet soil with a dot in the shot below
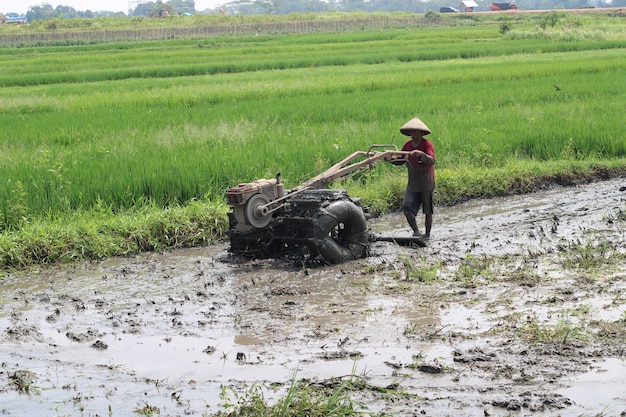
(516, 308)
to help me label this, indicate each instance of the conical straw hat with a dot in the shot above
(412, 125)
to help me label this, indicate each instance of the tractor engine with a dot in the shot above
(247, 201)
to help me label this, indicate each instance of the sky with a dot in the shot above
(21, 6)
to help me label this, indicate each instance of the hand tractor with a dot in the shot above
(309, 223)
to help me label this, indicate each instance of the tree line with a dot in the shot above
(170, 8)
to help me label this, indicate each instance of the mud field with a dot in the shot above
(516, 308)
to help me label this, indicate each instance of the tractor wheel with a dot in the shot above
(341, 232)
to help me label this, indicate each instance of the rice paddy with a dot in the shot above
(118, 126)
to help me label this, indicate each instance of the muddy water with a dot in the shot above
(180, 325)
(184, 323)
(169, 330)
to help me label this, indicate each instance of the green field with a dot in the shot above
(118, 147)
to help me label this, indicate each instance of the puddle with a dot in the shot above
(602, 388)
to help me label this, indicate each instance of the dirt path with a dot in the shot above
(517, 307)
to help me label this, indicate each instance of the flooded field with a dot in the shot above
(516, 308)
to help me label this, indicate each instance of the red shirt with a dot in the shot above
(421, 173)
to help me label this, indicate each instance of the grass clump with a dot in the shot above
(23, 380)
(101, 233)
(418, 270)
(303, 398)
(589, 255)
(148, 411)
(472, 269)
(566, 332)
(611, 332)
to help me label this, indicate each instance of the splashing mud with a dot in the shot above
(517, 307)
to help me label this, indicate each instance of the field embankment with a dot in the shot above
(125, 146)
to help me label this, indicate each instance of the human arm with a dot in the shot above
(424, 154)
(423, 157)
(397, 160)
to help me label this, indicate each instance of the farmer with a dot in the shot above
(421, 175)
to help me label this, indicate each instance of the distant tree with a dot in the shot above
(184, 6)
(66, 12)
(351, 5)
(41, 12)
(301, 6)
(142, 10)
(161, 9)
(174, 7)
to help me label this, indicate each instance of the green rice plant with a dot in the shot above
(164, 123)
(195, 130)
(17, 207)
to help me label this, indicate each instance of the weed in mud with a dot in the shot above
(418, 357)
(250, 402)
(522, 275)
(472, 268)
(148, 411)
(157, 382)
(589, 255)
(618, 216)
(302, 398)
(370, 269)
(23, 381)
(618, 299)
(582, 311)
(411, 329)
(420, 270)
(565, 332)
(611, 331)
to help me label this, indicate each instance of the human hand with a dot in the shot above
(396, 159)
